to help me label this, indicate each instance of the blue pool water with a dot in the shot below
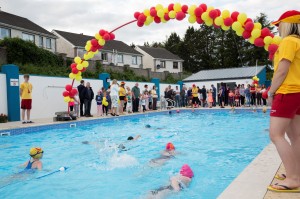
(217, 145)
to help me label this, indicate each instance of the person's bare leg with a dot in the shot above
(278, 127)
(28, 114)
(23, 114)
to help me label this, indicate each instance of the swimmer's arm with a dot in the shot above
(137, 137)
(175, 184)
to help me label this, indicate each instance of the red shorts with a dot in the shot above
(286, 105)
(26, 104)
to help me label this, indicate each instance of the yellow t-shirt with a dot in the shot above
(195, 92)
(289, 49)
(122, 92)
(26, 90)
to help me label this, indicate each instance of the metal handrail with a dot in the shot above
(172, 103)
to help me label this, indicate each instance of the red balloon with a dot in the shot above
(184, 8)
(219, 12)
(94, 48)
(102, 32)
(213, 14)
(73, 65)
(272, 48)
(167, 18)
(66, 94)
(142, 18)
(157, 19)
(136, 15)
(153, 12)
(204, 7)
(246, 34)
(74, 91)
(249, 26)
(265, 94)
(140, 24)
(84, 69)
(198, 12)
(112, 36)
(265, 32)
(68, 87)
(235, 15)
(106, 37)
(75, 70)
(228, 21)
(94, 42)
(271, 56)
(259, 42)
(180, 16)
(216, 26)
(248, 20)
(271, 35)
(171, 7)
(199, 20)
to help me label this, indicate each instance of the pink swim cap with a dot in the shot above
(186, 171)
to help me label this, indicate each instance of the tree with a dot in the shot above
(173, 43)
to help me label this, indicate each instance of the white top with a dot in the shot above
(114, 90)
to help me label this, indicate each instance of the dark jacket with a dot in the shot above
(80, 89)
(85, 94)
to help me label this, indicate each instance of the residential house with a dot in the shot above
(160, 59)
(15, 26)
(114, 52)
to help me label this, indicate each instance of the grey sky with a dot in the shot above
(88, 16)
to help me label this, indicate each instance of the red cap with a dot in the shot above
(291, 16)
(122, 83)
(170, 146)
(194, 85)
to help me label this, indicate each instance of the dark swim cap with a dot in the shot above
(130, 138)
(148, 126)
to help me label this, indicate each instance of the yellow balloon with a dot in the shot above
(71, 76)
(256, 33)
(205, 16)
(78, 78)
(251, 40)
(149, 20)
(240, 31)
(89, 43)
(86, 57)
(236, 26)
(219, 21)
(166, 10)
(147, 12)
(162, 19)
(87, 48)
(172, 14)
(101, 42)
(225, 28)
(191, 10)
(85, 64)
(79, 66)
(78, 74)
(242, 18)
(77, 60)
(98, 36)
(192, 19)
(159, 7)
(257, 26)
(268, 40)
(225, 14)
(160, 13)
(210, 9)
(267, 47)
(209, 22)
(67, 99)
(177, 7)
(277, 40)
(71, 100)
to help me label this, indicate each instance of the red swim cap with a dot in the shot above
(170, 146)
(186, 171)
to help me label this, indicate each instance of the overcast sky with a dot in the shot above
(88, 16)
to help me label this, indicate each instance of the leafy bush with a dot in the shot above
(3, 118)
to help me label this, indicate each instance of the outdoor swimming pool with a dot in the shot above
(217, 145)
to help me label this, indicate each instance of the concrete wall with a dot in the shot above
(47, 94)
(141, 85)
(3, 96)
(63, 46)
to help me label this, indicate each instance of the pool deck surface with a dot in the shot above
(252, 183)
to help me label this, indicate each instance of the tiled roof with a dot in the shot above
(159, 53)
(228, 73)
(80, 40)
(21, 22)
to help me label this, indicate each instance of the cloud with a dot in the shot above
(88, 16)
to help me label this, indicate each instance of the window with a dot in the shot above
(48, 43)
(4, 33)
(175, 65)
(28, 37)
(134, 60)
(41, 41)
(120, 58)
(104, 56)
(162, 64)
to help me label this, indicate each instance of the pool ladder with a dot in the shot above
(172, 103)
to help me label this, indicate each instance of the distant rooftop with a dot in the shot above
(80, 40)
(228, 73)
(21, 22)
(160, 53)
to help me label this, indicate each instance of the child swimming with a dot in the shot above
(36, 153)
(177, 183)
(165, 156)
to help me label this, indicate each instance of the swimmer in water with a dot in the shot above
(148, 126)
(165, 156)
(177, 183)
(36, 154)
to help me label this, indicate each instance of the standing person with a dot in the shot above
(248, 95)
(226, 88)
(210, 98)
(154, 98)
(258, 95)
(242, 94)
(190, 96)
(204, 95)
(105, 103)
(253, 94)
(195, 99)
(129, 100)
(99, 98)
(177, 97)
(136, 97)
(80, 88)
(145, 92)
(231, 101)
(143, 102)
(263, 89)
(284, 96)
(222, 95)
(88, 96)
(182, 97)
(214, 93)
(26, 102)
(122, 95)
(114, 94)
(108, 99)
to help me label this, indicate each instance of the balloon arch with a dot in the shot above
(239, 22)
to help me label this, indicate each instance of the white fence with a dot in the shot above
(47, 94)
(3, 94)
(208, 84)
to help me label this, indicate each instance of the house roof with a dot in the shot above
(80, 40)
(21, 22)
(228, 73)
(159, 53)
